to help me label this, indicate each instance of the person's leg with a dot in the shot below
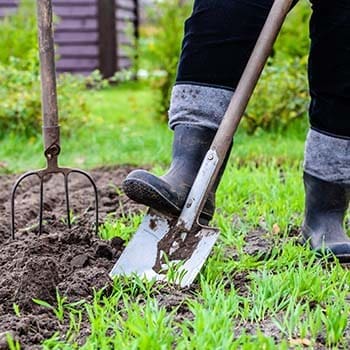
(219, 38)
(327, 154)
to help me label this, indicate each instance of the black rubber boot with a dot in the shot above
(168, 193)
(326, 204)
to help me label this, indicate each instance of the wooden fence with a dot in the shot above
(91, 34)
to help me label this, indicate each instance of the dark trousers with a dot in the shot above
(220, 36)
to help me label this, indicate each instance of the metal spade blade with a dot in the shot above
(144, 252)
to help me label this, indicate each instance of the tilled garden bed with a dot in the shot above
(73, 262)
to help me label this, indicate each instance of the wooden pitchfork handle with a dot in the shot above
(51, 129)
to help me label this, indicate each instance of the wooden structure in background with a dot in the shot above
(91, 33)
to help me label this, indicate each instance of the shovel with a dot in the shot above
(175, 250)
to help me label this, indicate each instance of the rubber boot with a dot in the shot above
(168, 193)
(326, 204)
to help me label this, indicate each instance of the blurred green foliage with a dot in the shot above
(294, 38)
(20, 107)
(282, 93)
(159, 46)
(280, 98)
(19, 35)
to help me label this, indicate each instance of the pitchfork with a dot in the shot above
(51, 129)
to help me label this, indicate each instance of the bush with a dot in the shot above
(20, 93)
(282, 94)
(294, 40)
(19, 34)
(280, 97)
(159, 46)
(20, 108)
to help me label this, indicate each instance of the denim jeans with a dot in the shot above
(220, 36)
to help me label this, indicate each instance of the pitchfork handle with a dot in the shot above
(48, 75)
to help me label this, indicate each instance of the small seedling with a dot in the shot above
(72, 216)
(16, 310)
(173, 270)
(62, 306)
(335, 319)
(12, 344)
(124, 227)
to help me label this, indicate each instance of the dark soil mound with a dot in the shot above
(74, 262)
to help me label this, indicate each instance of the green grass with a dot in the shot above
(124, 129)
(300, 298)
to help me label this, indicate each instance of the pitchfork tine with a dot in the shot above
(88, 176)
(67, 200)
(13, 194)
(41, 205)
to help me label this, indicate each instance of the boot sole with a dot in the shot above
(144, 193)
(342, 258)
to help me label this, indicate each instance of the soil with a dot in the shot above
(75, 261)
(175, 247)
(172, 298)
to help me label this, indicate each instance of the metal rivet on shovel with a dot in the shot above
(141, 254)
(51, 129)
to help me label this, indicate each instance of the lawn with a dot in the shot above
(259, 289)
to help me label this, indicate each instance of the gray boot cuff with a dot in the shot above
(198, 105)
(327, 157)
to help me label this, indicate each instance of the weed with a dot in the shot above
(124, 227)
(16, 310)
(12, 344)
(61, 307)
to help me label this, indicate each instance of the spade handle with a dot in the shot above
(223, 138)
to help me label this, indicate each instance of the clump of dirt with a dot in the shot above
(73, 262)
(240, 281)
(172, 298)
(176, 245)
(259, 243)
